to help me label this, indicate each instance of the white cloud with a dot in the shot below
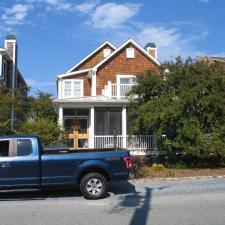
(170, 41)
(112, 15)
(204, 1)
(16, 14)
(86, 7)
(39, 84)
(59, 5)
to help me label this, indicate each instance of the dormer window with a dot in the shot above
(130, 53)
(106, 52)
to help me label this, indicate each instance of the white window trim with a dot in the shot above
(72, 88)
(118, 82)
(124, 76)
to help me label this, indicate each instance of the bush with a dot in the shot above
(138, 167)
(48, 130)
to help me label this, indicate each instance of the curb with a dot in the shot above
(176, 178)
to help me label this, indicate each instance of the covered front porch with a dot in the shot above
(101, 126)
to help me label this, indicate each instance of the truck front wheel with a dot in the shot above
(93, 186)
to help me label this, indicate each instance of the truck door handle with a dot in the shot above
(5, 164)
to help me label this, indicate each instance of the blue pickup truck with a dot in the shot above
(25, 164)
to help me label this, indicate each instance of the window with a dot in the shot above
(125, 83)
(108, 121)
(4, 148)
(130, 53)
(75, 112)
(77, 89)
(67, 88)
(72, 88)
(24, 147)
(106, 52)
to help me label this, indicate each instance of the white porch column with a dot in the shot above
(92, 127)
(124, 126)
(60, 120)
(59, 88)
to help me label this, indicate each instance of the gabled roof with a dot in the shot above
(130, 41)
(91, 54)
(73, 73)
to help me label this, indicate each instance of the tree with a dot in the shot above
(7, 103)
(42, 119)
(41, 106)
(186, 105)
(46, 128)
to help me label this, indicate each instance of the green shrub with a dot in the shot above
(46, 128)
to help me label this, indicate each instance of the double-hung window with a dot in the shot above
(72, 88)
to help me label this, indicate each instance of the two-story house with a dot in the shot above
(92, 100)
(10, 75)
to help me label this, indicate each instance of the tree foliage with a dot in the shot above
(44, 127)
(7, 103)
(185, 105)
(42, 119)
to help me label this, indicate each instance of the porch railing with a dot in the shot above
(108, 141)
(133, 142)
(116, 90)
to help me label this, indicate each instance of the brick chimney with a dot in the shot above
(11, 48)
(151, 49)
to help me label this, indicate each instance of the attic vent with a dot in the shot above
(130, 53)
(106, 52)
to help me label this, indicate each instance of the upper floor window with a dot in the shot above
(106, 52)
(72, 88)
(130, 53)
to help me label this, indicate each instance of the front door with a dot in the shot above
(77, 129)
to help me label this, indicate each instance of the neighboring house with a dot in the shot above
(212, 58)
(10, 76)
(92, 96)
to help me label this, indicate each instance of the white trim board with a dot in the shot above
(92, 53)
(72, 73)
(130, 41)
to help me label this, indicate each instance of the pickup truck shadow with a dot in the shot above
(117, 188)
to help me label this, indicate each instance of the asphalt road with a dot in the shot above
(181, 202)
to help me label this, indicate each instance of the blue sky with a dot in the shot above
(53, 35)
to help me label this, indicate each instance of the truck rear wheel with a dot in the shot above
(93, 186)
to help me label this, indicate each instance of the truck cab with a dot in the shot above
(24, 164)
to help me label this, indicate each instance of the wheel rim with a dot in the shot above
(94, 186)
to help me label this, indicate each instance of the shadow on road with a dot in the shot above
(117, 188)
(138, 203)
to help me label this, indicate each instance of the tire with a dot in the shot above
(93, 186)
